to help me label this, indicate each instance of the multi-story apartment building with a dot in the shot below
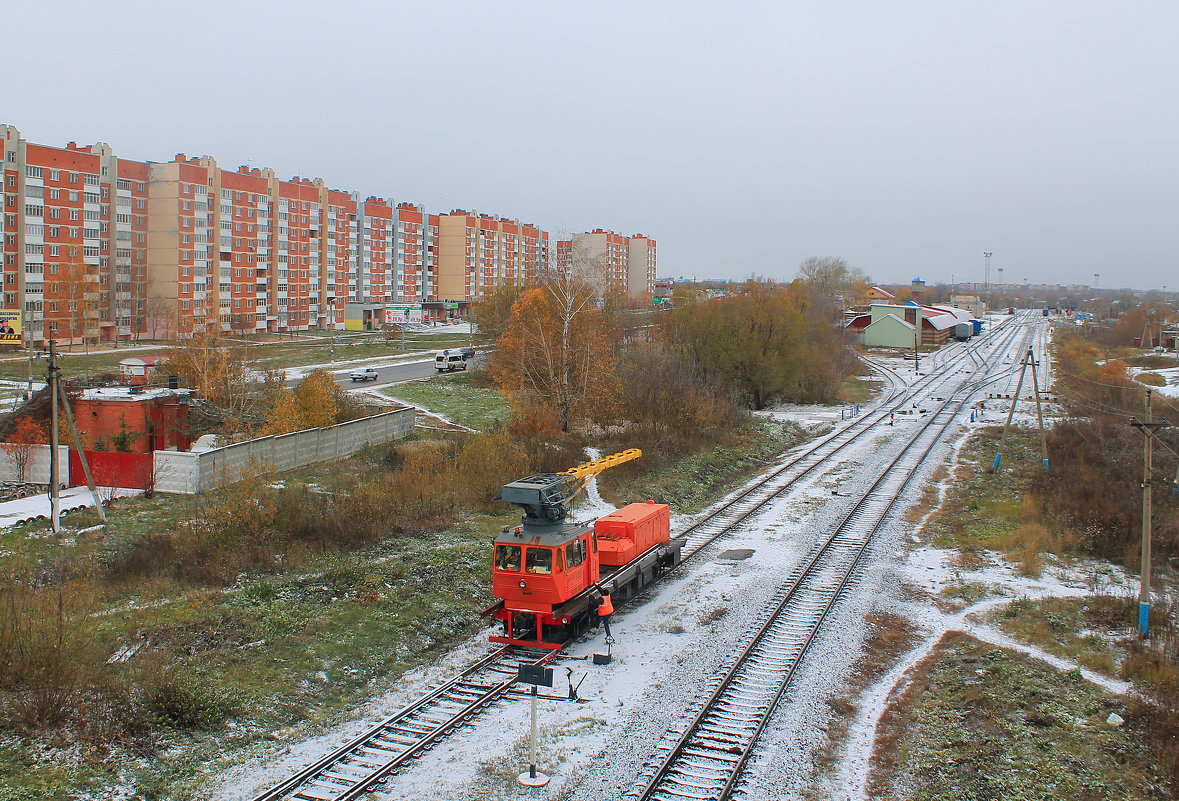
(179, 238)
(415, 257)
(74, 229)
(481, 252)
(96, 248)
(241, 211)
(625, 263)
(640, 275)
(373, 275)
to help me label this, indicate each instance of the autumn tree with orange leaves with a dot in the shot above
(556, 354)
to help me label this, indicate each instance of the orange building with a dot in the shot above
(147, 419)
(415, 257)
(481, 252)
(74, 229)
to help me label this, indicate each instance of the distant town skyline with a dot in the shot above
(746, 137)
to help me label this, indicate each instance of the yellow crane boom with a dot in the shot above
(592, 468)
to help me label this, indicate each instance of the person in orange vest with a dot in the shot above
(605, 609)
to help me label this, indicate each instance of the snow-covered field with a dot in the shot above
(680, 634)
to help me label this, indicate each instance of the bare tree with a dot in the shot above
(828, 275)
(80, 291)
(160, 312)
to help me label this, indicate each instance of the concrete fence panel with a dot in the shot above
(194, 472)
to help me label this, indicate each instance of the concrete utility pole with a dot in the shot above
(1023, 366)
(54, 500)
(1144, 589)
(1039, 411)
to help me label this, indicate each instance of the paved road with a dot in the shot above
(396, 373)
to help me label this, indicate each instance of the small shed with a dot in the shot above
(139, 370)
(890, 331)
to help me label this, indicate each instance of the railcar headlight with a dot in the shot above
(522, 585)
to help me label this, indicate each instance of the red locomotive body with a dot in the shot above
(632, 530)
(534, 573)
(543, 570)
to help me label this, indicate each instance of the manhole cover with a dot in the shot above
(736, 554)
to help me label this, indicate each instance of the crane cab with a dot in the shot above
(534, 574)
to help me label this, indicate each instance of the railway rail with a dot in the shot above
(739, 508)
(706, 759)
(365, 762)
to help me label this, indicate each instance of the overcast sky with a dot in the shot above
(905, 137)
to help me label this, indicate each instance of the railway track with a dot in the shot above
(739, 508)
(705, 759)
(363, 763)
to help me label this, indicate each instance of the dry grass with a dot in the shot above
(1033, 538)
(889, 637)
(713, 615)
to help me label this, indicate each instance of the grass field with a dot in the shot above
(980, 722)
(459, 397)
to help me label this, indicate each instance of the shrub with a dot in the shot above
(47, 652)
(175, 697)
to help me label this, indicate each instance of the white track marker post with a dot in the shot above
(534, 675)
(1011, 413)
(54, 468)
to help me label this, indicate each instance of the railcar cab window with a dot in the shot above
(575, 553)
(507, 557)
(540, 560)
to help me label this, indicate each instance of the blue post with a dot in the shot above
(995, 467)
(841, 412)
(1046, 466)
(1143, 619)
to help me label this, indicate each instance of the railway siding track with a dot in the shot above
(705, 759)
(736, 510)
(363, 763)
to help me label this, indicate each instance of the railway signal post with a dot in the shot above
(534, 675)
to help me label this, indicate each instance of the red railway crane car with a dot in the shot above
(544, 570)
(631, 530)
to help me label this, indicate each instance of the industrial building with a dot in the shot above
(895, 326)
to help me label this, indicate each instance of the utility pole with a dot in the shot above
(1039, 412)
(1144, 589)
(28, 327)
(54, 499)
(1023, 365)
(987, 272)
(916, 339)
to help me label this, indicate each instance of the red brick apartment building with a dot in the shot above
(480, 252)
(98, 248)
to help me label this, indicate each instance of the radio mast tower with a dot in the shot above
(987, 272)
